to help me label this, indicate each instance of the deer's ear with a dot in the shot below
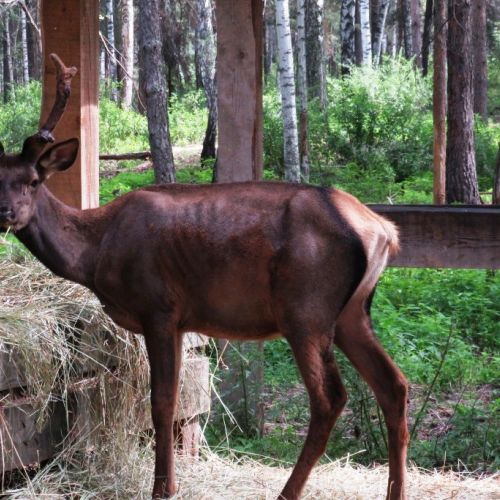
(58, 158)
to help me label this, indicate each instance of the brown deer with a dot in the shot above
(247, 261)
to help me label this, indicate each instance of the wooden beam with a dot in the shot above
(70, 28)
(446, 236)
(239, 87)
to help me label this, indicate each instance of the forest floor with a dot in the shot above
(186, 156)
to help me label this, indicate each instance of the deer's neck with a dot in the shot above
(64, 239)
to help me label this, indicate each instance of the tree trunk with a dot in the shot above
(378, 23)
(205, 52)
(8, 73)
(405, 28)
(270, 39)
(461, 179)
(110, 34)
(154, 88)
(287, 89)
(416, 31)
(366, 41)
(439, 100)
(127, 51)
(24, 46)
(480, 58)
(302, 90)
(347, 28)
(314, 46)
(426, 37)
(34, 40)
(358, 46)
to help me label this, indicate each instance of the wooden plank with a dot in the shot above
(194, 397)
(91, 350)
(22, 443)
(187, 436)
(194, 340)
(465, 237)
(239, 88)
(10, 376)
(70, 28)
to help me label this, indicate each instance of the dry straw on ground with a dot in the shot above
(41, 323)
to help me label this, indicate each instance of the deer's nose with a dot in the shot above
(6, 213)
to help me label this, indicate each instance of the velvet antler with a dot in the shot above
(35, 144)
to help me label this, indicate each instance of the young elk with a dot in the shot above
(247, 261)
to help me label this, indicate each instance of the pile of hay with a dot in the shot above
(129, 475)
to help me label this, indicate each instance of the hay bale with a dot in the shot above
(56, 340)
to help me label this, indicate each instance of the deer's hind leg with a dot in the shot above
(354, 335)
(327, 396)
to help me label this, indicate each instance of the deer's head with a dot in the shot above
(21, 175)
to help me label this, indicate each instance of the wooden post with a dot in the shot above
(70, 28)
(239, 87)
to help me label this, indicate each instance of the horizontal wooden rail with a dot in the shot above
(446, 236)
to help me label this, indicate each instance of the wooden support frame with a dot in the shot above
(239, 89)
(70, 28)
(463, 237)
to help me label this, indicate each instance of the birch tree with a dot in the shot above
(378, 23)
(154, 89)
(302, 89)
(205, 53)
(347, 30)
(366, 40)
(287, 89)
(127, 51)
(24, 47)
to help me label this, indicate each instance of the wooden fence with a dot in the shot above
(24, 442)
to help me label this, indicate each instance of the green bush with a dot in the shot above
(19, 117)
(384, 109)
(121, 130)
(188, 117)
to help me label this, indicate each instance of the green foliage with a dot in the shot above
(121, 130)
(382, 115)
(487, 142)
(128, 181)
(273, 130)
(19, 117)
(188, 117)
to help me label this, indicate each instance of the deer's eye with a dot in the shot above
(34, 183)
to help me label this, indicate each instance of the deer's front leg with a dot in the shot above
(164, 347)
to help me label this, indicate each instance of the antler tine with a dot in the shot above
(34, 144)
